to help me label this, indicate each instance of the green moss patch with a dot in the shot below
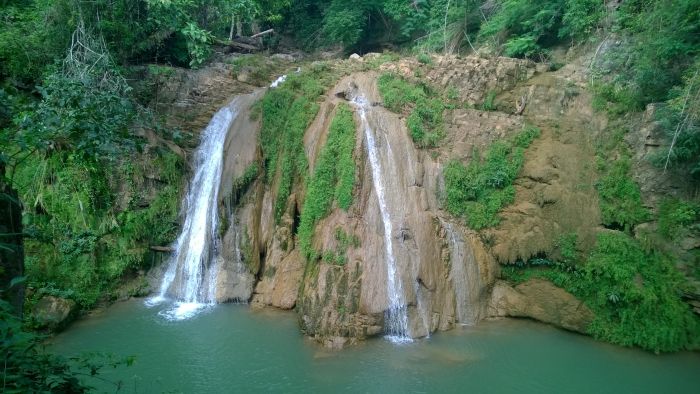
(479, 190)
(423, 106)
(333, 178)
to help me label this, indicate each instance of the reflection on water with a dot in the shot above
(232, 349)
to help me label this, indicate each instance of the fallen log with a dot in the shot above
(162, 249)
(262, 33)
(239, 45)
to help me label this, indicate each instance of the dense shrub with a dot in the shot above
(479, 190)
(677, 218)
(634, 294)
(620, 198)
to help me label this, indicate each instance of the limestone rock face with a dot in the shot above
(473, 78)
(350, 300)
(54, 313)
(447, 272)
(540, 300)
(280, 290)
(555, 191)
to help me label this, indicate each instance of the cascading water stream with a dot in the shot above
(190, 278)
(396, 316)
(464, 275)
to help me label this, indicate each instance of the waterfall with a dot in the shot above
(464, 275)
(190, 279)
(396, 315)
(277, 82)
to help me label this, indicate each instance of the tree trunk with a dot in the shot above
(11, 244)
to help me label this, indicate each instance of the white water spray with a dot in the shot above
(277, 82)
(396, 316)
(190, 279)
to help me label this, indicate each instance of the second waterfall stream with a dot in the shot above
(396, 315)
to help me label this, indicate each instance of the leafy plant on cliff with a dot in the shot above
(648, 311)
(286, 113)
(680, 119)
(479, 190)
(241, 184)
(333, 178)
(620, 198)
(526, 28)
(422, 105)
(634, 294)
(80, 238)
(678, 217)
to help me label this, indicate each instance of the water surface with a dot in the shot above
(230, 348)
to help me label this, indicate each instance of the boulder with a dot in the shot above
(54, 313)
(540, 300)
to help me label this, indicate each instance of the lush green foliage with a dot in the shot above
(664, 39)
(71, 158)
(680, 118)
(242, 183)
(287, 111)
(567, 246)
(527, 27)
(84, 236)
(356, 23)
(423, 106)
(620, 199)
(26, 367)
(86, 119)
(657, 61)
(333, 178)
(479, 190)
(634, 294)
(677, 218)
(647, 310)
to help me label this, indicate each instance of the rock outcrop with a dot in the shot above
(54, 313)
(447, 272)
(351, 300)
(540, 300)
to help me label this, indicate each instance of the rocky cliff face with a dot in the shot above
(447, 272)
